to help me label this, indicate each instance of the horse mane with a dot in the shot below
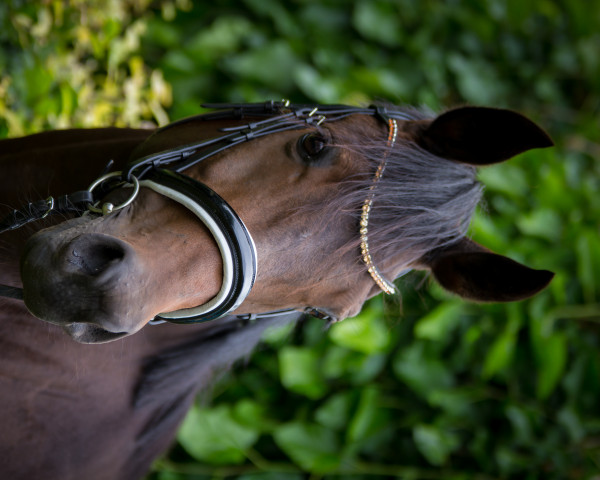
(171, 379)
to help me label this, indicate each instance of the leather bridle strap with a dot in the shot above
(74, 203)
(229, 232)
(279, 117)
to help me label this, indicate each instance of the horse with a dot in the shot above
(228, 222)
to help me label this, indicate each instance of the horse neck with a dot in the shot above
(59, 162)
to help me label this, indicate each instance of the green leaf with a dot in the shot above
(353, 366)
(180, 61)
(421, 372)
(550, 349)
(314, 85)
(38, 81)
(369, 417)
(507, 179)
(378, 21)
(336, 361)
(456, 401)
(570, 419)
(214, 436)
(434, 443)
(258, 65)
(163, 33)
(500, 355)
(251, 414)
(510, 460)
(543, 222)
(488, 232)
(521, 424)
(335, 412)
(223, 37)
(502, 351)
(438, 323)
(313, 447)
(474, 78)
(277, 334)
(284, 20)
(552, 365)
(68, 99)
(300, 371)
(366, 333)
(364, 368)
(587, 250)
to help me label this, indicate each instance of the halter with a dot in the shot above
(161, 172)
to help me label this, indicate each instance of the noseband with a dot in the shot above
(161, 172)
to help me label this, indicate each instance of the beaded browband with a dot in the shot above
(385, 285)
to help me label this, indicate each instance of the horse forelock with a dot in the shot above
(422, 201)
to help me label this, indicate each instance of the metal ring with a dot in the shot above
(108, 207)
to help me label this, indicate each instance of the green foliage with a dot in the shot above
(366, 333)
(300, 371)
(215, 436)
(76, 64)
(313, 447)
(443, 389)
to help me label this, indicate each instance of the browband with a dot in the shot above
(385, 285)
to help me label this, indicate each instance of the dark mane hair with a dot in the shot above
(421, 202)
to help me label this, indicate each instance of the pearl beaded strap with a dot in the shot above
(385, 285)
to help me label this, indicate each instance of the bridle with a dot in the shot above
(162, 173)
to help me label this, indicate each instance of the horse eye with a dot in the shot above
(311, 146)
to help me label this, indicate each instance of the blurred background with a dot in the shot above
(422, 387)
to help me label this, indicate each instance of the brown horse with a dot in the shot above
(330, 204)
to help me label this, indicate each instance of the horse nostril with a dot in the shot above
(94, 254)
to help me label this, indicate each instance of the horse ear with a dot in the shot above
(473, 272)
(479, 135)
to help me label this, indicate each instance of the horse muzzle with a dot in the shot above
(86, 284)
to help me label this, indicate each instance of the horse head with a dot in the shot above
(334, 205)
